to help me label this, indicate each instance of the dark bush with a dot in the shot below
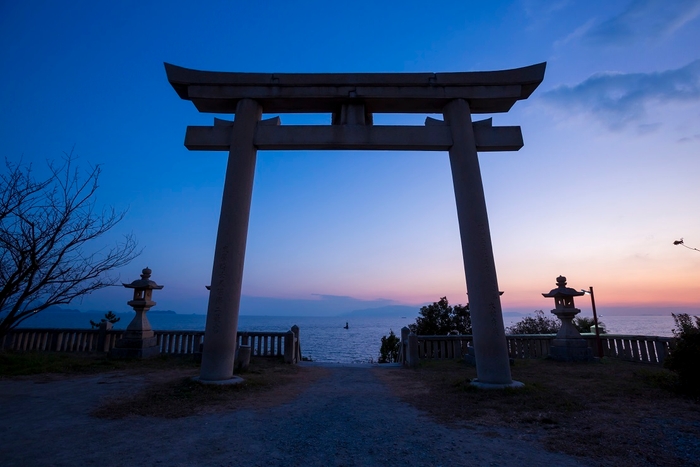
(685, 357)
(389, 351)
(441, 319)
(538, 324)
(109, 317)
(583, 324)
(541, 324)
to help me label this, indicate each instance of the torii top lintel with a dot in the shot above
(485, 91)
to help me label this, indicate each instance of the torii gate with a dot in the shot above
(351, 99)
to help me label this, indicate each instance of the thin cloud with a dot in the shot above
(619, 99)
(543, 8)
(642, 20)
(688, 139)
(578, 33)
(539, 13)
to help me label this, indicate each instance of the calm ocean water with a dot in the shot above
(324, 339)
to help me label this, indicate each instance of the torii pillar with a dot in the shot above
(488, 331)
(352, 99)
(229, 254)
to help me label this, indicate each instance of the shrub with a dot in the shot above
(685, 357)
(440, 318)
(389, 351)
(583, 324)
(109, 317)
(538, 324)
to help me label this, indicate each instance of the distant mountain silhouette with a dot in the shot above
(388, 311)
(404, 310)
(58, 309)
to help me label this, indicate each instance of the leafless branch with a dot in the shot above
(680, 242)
(48, 231)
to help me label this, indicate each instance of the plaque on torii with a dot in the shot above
(351, 99)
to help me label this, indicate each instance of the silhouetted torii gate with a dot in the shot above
(351, 99)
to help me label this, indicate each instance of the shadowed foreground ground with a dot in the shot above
(345, 416)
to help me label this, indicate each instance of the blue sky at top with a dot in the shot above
(606, 181)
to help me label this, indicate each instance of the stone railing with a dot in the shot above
(273, 344)
(642, 349)
(645, 349)
(60, 340)
(529, 345)
(263, 344)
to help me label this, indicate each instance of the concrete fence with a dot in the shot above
(263, 344)
(643, 349)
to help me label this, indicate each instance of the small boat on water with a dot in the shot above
(346, 326)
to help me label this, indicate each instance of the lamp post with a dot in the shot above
(598, 342)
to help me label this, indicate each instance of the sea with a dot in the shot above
(325, 339)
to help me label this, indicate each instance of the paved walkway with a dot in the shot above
(348, 418)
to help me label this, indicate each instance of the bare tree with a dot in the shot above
(48, 228)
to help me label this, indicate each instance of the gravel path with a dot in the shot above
(348, 418)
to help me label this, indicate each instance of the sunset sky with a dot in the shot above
(606, 181)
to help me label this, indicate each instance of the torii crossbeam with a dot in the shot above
(352, 99)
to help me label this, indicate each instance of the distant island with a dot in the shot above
(58, 309)
(384, 311)
(403, 311)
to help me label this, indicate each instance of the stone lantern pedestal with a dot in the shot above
(139, 340)
(568, 345)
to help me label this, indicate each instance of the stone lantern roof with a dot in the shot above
(145, 282)
(562, 290)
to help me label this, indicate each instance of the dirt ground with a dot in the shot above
(320, 416)
(613, 414)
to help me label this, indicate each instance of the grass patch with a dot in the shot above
(269, 382)
(168, 390)
(617, 413)
(33, 363)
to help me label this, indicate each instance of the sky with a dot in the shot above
(606, 180)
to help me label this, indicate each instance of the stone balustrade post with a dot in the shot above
(297, 343)
(243, 359)
(660, 351)
(102, 341)
(289, 347)
(412, 350)
(404, 344)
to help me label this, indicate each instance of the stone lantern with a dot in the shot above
(568, 345)
(139, 340)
